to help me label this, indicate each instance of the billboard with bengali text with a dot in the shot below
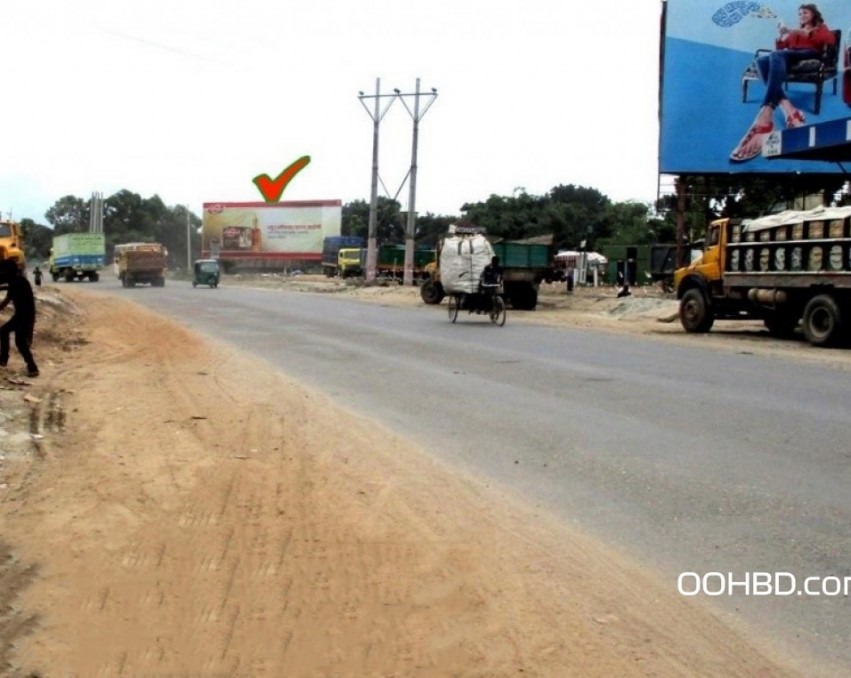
(710, 93)
(293, 229)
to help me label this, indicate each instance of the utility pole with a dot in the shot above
(188, 242)
(377, 115)
(410, 230)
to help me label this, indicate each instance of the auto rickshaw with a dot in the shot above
(206, 272)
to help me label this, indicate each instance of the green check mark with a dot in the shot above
(272, 189)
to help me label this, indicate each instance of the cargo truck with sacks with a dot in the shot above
(75, 256)
(786, 269)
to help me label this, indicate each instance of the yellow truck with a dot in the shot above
(143, 263)
(785, 269)
(12, 242)
(350, 261)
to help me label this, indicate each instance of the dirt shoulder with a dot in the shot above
(170, 507)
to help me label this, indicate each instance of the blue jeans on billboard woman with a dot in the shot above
(772, 68)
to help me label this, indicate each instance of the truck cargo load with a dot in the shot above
(75, 256)
(145, 263)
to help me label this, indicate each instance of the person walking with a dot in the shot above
(37, 276)
(22, 322)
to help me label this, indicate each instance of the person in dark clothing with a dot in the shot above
(22, 322)
(492, 273)
(37, 276)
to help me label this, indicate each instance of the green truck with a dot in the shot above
(75, 256)
(390, 262)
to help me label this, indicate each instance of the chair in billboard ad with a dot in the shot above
(736, 74)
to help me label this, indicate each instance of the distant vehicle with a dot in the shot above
(144, 263)
(75, 256)
(350, 261)
(205, 272)
(331, 247)
(122, 247)
(390, 262)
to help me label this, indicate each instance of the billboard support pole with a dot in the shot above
(681, 209)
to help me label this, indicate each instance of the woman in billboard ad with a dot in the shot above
(791, 47)
(723, 99)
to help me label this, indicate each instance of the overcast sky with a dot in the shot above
(191, 99)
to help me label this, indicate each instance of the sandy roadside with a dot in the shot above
(173, 508)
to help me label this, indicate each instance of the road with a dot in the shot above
(687, 459)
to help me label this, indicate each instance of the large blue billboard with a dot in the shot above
(722, 90)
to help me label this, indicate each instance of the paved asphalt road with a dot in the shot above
(688, 459)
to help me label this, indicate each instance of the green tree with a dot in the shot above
(430, 227)
(69, 214)
(630, 225)
(38, 240)
(390, 228)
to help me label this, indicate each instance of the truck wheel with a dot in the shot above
(822, 320)
(522, 297)
(431, 292)
(695, 314)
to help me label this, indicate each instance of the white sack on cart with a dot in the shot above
(462, 260)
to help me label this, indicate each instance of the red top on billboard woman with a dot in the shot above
(792, 46)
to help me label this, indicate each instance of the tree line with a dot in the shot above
(571, 214)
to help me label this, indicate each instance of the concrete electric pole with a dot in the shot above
(188, 242)
(377, 115)
(410, 230)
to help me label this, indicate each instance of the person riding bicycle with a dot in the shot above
(491, 275)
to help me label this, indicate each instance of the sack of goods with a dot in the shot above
(462, 260)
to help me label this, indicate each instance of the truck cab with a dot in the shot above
(350, 261)
(12, 242)
(709, 266)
